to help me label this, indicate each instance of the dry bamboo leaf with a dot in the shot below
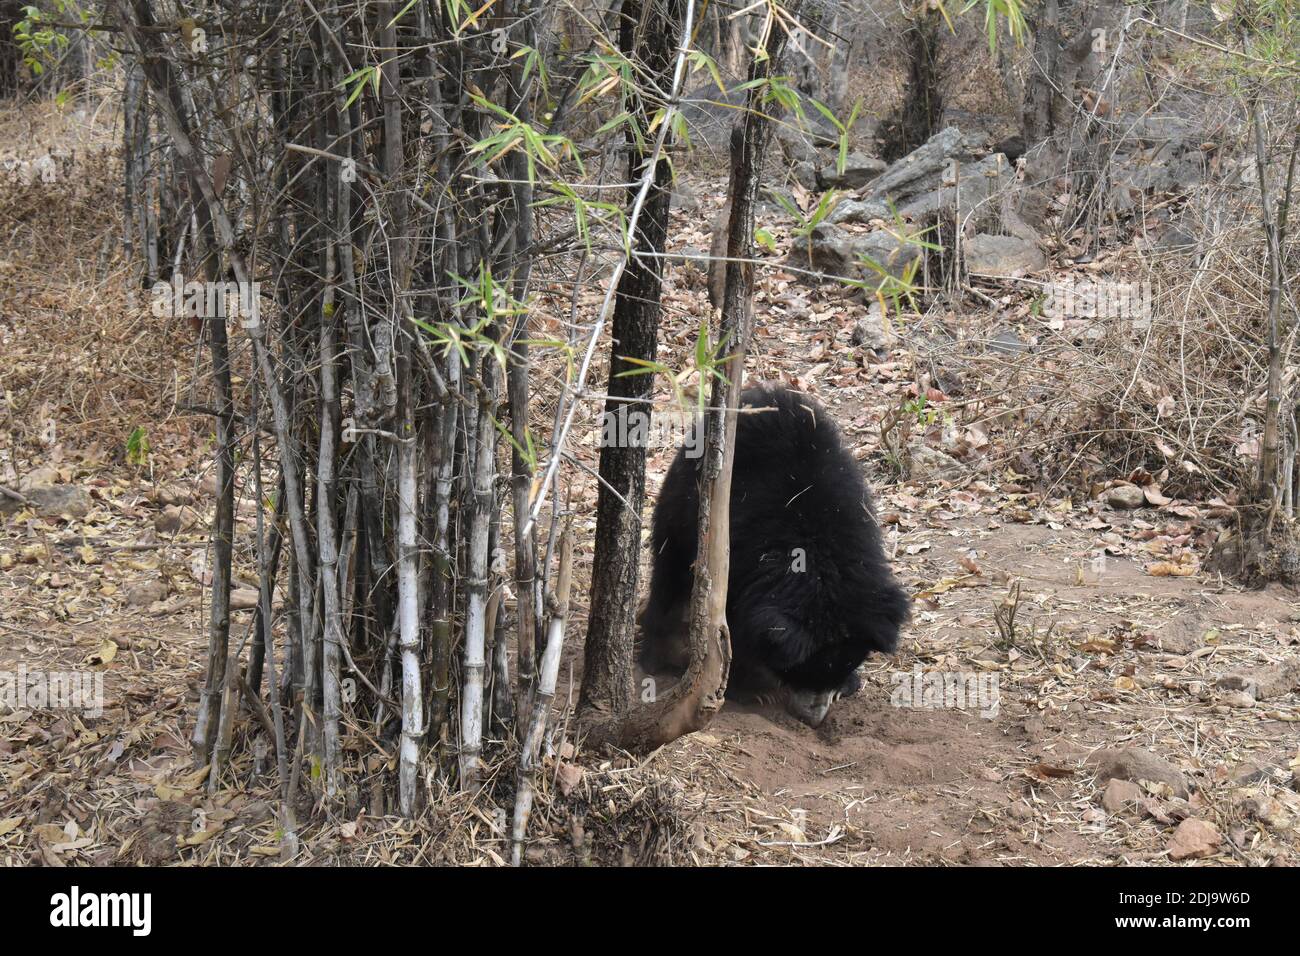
(202, 836)
(105, 653)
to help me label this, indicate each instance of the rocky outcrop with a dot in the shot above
(839, 252)
(948, 172)
(939, 180)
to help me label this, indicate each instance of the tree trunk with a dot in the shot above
(647, 29)
(692, 703)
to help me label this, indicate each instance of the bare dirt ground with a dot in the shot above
(1112, 638)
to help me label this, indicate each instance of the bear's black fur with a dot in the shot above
(809, 593)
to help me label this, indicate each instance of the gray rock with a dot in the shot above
(808, 139)
(871, 333)
(50, 501)
(858, 210)
(150, 592)
(1157, 131)
(684, 197)
(1261, 683)
(933, 183)
(796, 147)
(1150, 174)
(839, 252)
(805, 174)
(948, 172)
(972, 188)
(1182, 635)
(929, 464)
(1134, 764)
(1125, 496)
(1157, 154)
(1008, 343)
(1003, 255)
(922, 170)
(859, 170)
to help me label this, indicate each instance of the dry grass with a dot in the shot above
(85, 359)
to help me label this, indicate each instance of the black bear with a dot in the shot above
(809, 593)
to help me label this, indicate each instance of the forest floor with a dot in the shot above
(1112, 637)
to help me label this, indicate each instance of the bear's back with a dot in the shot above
(794, 475)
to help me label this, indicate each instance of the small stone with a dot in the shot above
(838, 252)
(1194, 839)
(1003, 255)
(1008, 343)
(1239, 699)
(1118, 793)
(872, 333)
(1182, 635)
(170, 521)
(1243, 775)
(1266, 810)
(805, 174)
(150, 592)
(1021, 810)
(930, 464)
(1137, 765)
(1125, 497)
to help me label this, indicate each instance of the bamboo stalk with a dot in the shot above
(326, 492)
(408, 588)
(483, 432)
(549, 674)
